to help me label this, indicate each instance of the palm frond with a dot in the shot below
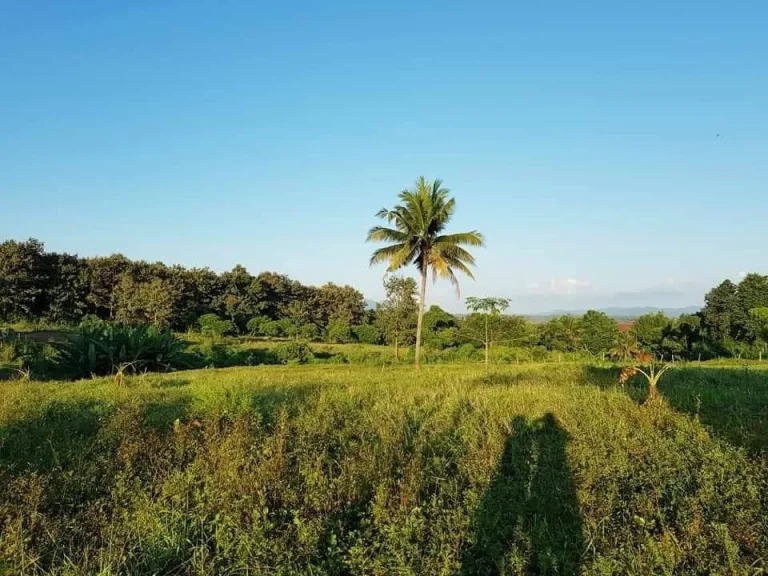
(473, 238)
(382, 234)
(459, 265)
(441, 268)
(454, 252)
(386, 253)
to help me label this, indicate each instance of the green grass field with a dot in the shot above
(341, 469)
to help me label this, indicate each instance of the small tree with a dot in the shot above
(490, 309)
(649, 329)
(598, 332)
(396, 316)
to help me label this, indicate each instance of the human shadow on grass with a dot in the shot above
(731, 402)
(528, 521)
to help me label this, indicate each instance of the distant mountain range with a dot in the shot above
(619, 313)
(629, 313)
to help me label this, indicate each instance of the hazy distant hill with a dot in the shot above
(620, 313)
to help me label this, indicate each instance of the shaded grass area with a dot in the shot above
(363, 470)
(732, 402)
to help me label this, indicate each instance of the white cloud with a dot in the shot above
(562, 286)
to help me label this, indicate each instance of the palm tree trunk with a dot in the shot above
(421, 317)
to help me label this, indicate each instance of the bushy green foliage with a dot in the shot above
(63, 288)
(364, 471)
(649, 329)
(598, 332)
(294, 352)
(216, 354)
(272, 329)
(561, 334)
(366, 334)
(255, 325)
(339, 332)
(100, 347)
(212, 325)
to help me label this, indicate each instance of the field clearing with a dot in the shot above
(340, 469)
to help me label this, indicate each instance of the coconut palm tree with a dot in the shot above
(418, 237)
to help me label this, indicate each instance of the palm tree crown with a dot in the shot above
(416, 236)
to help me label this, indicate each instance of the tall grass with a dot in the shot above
(371, 470)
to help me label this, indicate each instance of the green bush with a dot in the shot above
(295, 352)
(468, 352)
(219, 355)
(339, 332)
(272, 329)
(367, 334)
(212, 325)
(255, 325)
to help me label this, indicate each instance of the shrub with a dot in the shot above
(255, 325)
(468, 352)
(271, 329)
(295, 352)
(219, 355)
(339, 332)
(308, 332)
(212, 325)
(367, 334)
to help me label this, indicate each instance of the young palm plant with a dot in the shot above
(652, 373)
(418, 237)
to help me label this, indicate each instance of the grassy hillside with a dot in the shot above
(325, 469)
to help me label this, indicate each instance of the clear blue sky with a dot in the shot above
(613, 153)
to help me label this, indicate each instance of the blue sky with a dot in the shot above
(613, 153)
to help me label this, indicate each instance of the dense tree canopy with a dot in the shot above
(63, 288)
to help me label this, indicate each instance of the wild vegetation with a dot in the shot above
(324, 470)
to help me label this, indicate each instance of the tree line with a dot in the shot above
(62, 288)
(36, 285)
